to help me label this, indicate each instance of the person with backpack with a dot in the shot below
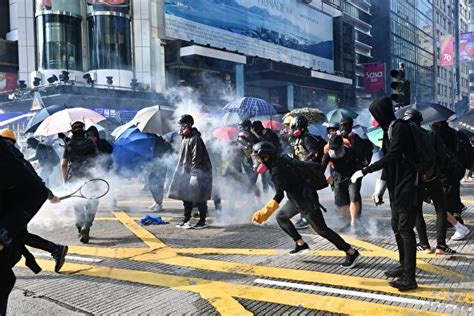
(79, 158)
(434, 189)
(47, 158)
(306, 147)
(302, 198)
(345, 161)
(364, 146)
(401, 176)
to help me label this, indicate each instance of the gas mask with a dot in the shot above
(258, 165)
(185, 130)
(338, 153)
(297, 133)
(78, 133)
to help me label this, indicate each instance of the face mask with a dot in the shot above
(297, 133)
(185, 130)
(261, 169)
(258, 165)
(78, 133)
(337, 154)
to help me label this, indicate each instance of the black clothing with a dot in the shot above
(80, 152)
(201, 206)
(37, 242)
(309, 147)
(345, 166)
(403, 223)
(46, 156)
(104, 147)
(363, 146)
(270, 136)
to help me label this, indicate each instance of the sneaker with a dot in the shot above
(461, 233)
(458, 217)
(302, 224)
(152, 206)
(84, 236)
(394, 273)
(157, 207)
(404, 284)
(351, 260)
(424, 248)
(299, 250)
(184, 225)
(444, 250)
(200, 225)
(59, 257)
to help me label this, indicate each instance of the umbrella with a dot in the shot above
(375, 135)
(122, 128)
(318, 129)
(133, 148)
(250, 107)
(360, 130)
(230, 118)
(273, 125)
(227, 133)
(280, 108)
(465, 122)
(336, 115)
(60, 122)
(41, 115)
(313, 115)
(148, 120)
(432, 112)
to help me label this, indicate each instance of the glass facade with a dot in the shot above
(59, 42)
(412, 38)
(109, 41)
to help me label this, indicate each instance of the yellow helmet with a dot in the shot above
(8, 133)
(287, 120)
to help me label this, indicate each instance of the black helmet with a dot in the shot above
(299, 122)
(257, 126)
(413, 115)
(332, 125)
(347, 120)
(245, 125)
(186, 119)
(264, 149)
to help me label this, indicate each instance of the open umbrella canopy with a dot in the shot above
(464, 122)
(274, 125)
(133, 148)
(148, 120)
(250, 107)
(60, 122)
(313, 115)
(318, 129)
(335, 116)
(41, 115)
(122, 128)
(375, 135)
(432, 112)
(230, 118)
(227, 133)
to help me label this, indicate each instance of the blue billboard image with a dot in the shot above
(287, 31)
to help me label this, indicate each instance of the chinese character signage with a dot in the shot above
(447, 50)
(374, 78)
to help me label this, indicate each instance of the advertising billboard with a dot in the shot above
(8, 81)
(466, 47)
(280, 30)
(447, 50)
(374, 78)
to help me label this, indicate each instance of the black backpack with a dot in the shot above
(312, 172)
(320, 145)
(425, 154)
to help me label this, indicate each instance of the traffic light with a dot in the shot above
(400, 87)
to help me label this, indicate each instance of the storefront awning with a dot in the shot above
(326, 76)
(213, 53)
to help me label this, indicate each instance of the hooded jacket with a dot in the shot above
(398, 170)
(103, 146)
(193, 161)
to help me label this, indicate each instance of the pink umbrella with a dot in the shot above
(60, 122)
(273, 125)
(227, 133)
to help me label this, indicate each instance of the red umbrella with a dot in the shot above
(227, 133)
(273, 125)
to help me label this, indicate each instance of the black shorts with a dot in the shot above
(346, 192)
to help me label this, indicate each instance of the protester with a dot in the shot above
(47, 158)
(345, 161)
(306, 147)
(285, 136)
(192, 180)
(332, 128)
(266, 134)
(400, 175)
(246, 126)
(103, 146)
(78, 160)
(302, 198)
(364, 146)
(245, 144)
(157, 172)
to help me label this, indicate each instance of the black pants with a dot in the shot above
(315, 219)
(403, 223)
(156, 185)
(188, 207)
(37, 242)
(436, 192)
(6, 286)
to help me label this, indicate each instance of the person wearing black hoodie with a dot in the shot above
(401, 177)
(192, 180)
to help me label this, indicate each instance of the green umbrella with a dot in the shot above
(375, 135)
(313, 115)
(336, 115)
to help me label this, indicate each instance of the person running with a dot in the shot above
(302, 198)
(192, 180)
(47, 158)
(364, 146)
(401, 177)
(78, 160)
(345, 161)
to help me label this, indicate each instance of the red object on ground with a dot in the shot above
(273, 125)
(227, 133)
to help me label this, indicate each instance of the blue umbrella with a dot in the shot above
(41, 115)
(318, 129)
(250, 107)
(133, 148)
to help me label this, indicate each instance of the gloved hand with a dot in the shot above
(380, 187)
(378, 200)
(356, 176)
(263, 214)
(193, 181)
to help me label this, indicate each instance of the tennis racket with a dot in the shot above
(91, 190)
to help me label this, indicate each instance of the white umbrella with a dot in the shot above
(60, 122)
(122, 128)
(148, 120)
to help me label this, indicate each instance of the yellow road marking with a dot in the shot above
(220, 294)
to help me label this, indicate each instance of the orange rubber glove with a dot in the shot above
(263, 214)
